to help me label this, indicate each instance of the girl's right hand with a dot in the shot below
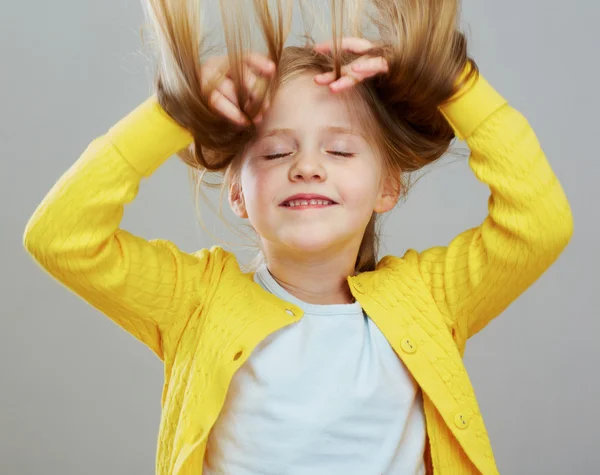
(224, 98)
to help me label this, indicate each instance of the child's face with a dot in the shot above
(318, 148)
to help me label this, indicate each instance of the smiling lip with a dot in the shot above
(306, 201)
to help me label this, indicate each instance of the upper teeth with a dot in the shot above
(308, 202)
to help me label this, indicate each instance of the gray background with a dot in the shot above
(78, 395)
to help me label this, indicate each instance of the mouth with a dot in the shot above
(307, 201)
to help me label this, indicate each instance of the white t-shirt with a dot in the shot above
(326, 395)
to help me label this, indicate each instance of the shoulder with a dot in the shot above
(410, 261)
(398, 268)
(413, 268)
(214, 252)
(217, 259)
(219, 267)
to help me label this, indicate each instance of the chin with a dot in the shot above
(311, 247)
(311, 243)
(315, 237)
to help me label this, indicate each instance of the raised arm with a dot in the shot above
(529, 222)
(147, 288)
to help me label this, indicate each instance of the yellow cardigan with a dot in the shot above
(203, 317)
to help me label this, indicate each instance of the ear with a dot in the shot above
(389, 194)
(236, 200)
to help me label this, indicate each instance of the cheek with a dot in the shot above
(360, 186)
(257, 186)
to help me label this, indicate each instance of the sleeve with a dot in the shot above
(529, 221)
(145, 287)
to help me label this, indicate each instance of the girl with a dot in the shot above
(323, 361)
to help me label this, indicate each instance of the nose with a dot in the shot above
(306, 168)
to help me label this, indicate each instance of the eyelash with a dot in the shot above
(341, 154)
(276, 155)
(333, 152)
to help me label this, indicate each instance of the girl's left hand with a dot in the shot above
(363, 68)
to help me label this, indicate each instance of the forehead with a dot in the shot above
(301, 104)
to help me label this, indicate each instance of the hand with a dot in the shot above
(224, 98)
(363, 68)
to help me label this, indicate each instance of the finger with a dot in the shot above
(227, 88)
(329, 77)
(260, 63)
(325, 78)
(249, 82)
(369, 66)
(263, 110)
(352, 44)
(266, 104)
(227, 108)
(345, 82)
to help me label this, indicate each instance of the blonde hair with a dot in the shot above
(420, 39)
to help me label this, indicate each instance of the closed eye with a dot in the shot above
(341, 154)
(338, 153)
(274, 156)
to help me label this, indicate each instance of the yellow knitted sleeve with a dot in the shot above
(145, 287)
(529, 222)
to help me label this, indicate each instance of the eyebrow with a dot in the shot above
(328, 128)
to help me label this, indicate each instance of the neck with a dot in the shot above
(320, 280)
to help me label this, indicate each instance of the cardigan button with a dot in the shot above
(238, 355)
(461, 421)
(408, 346)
